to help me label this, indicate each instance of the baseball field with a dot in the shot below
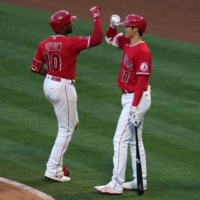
(28, 125)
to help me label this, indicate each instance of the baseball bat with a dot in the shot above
(138, 166)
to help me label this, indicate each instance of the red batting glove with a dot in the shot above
(66, 170)
(95, 11)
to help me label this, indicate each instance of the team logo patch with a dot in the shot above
(144, 67)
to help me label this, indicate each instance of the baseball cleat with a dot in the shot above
(107, 189)
(59, 178)
(132, 185)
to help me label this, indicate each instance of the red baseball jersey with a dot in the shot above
(136, 60)
(60, 54)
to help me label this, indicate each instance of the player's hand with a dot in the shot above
(95, 11)
(133, 116)
(115, 20)
(149, 88)
(76, 125)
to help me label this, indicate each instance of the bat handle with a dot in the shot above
(138, 166)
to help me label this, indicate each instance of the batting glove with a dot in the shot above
(95, 11)
(114, 20)
(133, 116)
(149, 88)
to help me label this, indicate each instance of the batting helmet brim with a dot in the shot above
(124, 24)
(135, 21)
(72, 18)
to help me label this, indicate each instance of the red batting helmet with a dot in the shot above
(58, 19)
(135, 20)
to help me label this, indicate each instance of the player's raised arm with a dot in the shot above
(112, 29)
(97, 34)
(112, 33)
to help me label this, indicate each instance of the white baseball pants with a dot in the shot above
(125, 134)
(62, 95)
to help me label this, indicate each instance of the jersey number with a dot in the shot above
(125, 76)
(53, 61)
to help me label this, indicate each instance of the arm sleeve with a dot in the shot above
(97, 33)
(142, 81)
(143, 69)
(114, 38)
(111, 32)
(80, 43)
(37, 62)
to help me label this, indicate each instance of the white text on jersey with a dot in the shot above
(53, 46)
(128, 64)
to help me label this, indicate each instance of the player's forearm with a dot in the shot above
(111, 32)
(139, 89)
(97, 33)
(43, 71)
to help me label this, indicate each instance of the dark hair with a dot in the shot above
(140, 32)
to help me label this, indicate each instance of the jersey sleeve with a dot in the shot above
(118, 41)
(143, 64)
(79, 43)
(111, 32)
(114, 38)
(38, 61)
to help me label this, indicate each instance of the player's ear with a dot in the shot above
(136, 29)
(64, 27)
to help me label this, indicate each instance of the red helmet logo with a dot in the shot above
(60, 18)
(135, 20)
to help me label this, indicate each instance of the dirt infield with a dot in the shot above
(10, 190)
(178, 20)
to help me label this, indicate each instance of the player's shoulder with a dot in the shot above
(54, 38)
(141, 50)
(143, 47)
(45, 40)
(124, 41)
(80, 37)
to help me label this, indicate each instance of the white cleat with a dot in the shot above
(132, 185)
(59, 178)
(107, 189)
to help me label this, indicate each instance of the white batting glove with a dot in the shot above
(133, 116)
(114, 20)
(149, 88)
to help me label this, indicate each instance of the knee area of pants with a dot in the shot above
(133, 145)
(66, 131)
(120, 140)
(118, 144)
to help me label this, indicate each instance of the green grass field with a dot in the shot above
(28, 126)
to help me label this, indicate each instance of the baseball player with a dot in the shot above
(134, 74)
(59, 52)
